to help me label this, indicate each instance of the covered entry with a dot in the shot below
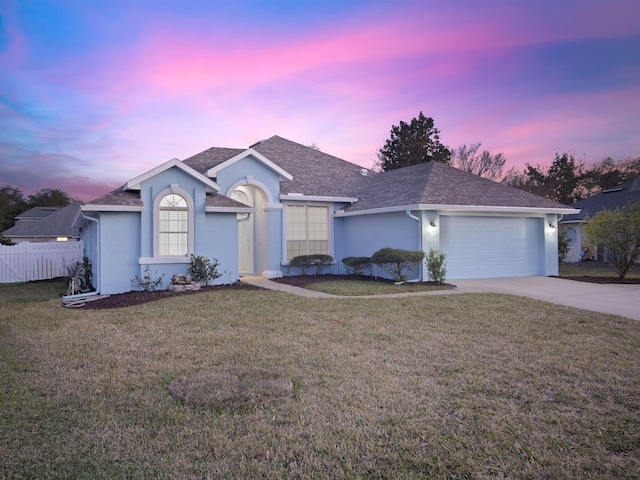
(252, 230)
(492, 246)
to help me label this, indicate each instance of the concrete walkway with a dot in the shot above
(615, 299)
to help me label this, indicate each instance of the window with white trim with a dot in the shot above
(173, 228)
(307, 230)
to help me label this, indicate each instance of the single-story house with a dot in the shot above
(611, 199)
(46, 224)
(256, 208)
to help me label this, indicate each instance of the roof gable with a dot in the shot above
(134, 184)
(250, 152)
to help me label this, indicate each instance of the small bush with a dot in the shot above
(357, 265)
(395, 261)
(436, 261)
(202, 269)
(148, 282)
(305, 262)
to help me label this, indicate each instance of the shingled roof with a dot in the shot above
(317, 174)
(434, 183)
(59, 223)
(611, 199)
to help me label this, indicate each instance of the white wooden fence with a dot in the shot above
(37, 261)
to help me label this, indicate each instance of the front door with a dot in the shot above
(246, 229)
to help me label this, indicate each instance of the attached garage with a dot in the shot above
(492, 246)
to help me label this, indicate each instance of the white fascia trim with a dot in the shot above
(162, 260)
(298, 197)
(134, 183)
(460, 208)
(111, 208)
(567, 222)
(284, 175)
(229, 209)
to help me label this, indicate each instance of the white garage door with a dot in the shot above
(490, 247)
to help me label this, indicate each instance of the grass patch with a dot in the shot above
(29, 292)
(594, 269)
(365, 287)
(451, 386)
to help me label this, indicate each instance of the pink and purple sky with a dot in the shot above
(95, 92)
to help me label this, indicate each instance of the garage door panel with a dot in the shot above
(486, 247)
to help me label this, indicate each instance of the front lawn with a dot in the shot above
(445, 386)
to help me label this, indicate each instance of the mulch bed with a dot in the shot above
(129, 299)
(604, 280)
(305, 280)
(136, 298)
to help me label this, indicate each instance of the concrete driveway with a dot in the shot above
(611, 298)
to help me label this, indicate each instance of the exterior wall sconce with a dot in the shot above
(552, 226)
(433, 225)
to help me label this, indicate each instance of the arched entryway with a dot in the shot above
(253, 235)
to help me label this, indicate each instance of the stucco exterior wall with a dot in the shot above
(363, 235)
(119, 251)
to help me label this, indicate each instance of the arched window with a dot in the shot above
(173, 228)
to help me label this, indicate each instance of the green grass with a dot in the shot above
(364, 287)
(447, 386)
(594, 269)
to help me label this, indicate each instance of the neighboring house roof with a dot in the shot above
(616, 197)
(37, 213)
(439, 185)
(58, 223)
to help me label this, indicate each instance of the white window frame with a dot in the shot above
(156, 226)
(328, 206)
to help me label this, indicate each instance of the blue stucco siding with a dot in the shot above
(219, 240)
(119, 250)
(362, 236)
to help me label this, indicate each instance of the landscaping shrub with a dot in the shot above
(202, 269)
(148, 282)
(305, 262)
(357, 265)
(395, 261)
(436, 261)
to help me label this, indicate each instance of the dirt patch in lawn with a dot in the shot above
(129, 299)
(234, 389)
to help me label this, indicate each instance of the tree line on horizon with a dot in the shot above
(565, 180)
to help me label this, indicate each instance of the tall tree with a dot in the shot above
(50, 197)
(482, 163)
(12, 203)
(561, 182)
(608, 173)
(413, 143)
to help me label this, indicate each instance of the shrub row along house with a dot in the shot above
(255, 209)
